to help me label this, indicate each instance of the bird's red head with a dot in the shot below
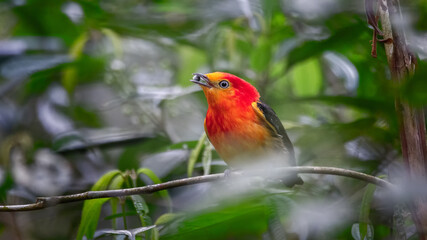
(224, 89)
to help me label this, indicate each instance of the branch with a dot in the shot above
(44, 202)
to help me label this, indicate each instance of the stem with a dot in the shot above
(123, 205)
(45, 202)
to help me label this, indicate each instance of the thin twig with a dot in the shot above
(44, 202)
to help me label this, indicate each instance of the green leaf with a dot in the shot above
(140, 205)
(90, 217)
(195, 155)
(116, 183)
(142, 210)
(104, 182)
(92, 208)
(150, 174)
(307, 78)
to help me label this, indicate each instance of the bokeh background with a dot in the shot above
(90, 86)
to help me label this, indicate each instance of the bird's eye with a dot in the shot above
(224, 84)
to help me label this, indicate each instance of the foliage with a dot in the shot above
(87, 87)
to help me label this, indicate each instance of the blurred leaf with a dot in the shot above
(5, 185)
(115, 40)
(307, 78)
(244, 220)
(341, 38)
(313, 145)
(77, 48)
(195, 155)
(365, 208)
(382, 231)
(70, 77)
(89, 68)
(191, 60)
(45, 19)
(92, 208)
(372, 106)
(67, 140)
(64, 143)
(130, 158)
(85, 116)
(40, 81)
(261, 55)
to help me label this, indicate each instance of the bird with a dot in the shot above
(245, 132)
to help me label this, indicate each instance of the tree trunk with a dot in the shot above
(402, 65)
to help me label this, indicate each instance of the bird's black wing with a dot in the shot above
(267, 114)
(275, 125)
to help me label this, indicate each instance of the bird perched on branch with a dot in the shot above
(244, 131)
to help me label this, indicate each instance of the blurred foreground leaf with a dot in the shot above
(244, 220)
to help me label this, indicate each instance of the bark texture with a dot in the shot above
(402, 65)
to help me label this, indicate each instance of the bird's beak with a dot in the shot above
(201, 79)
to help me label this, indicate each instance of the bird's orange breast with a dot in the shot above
(236, 132)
